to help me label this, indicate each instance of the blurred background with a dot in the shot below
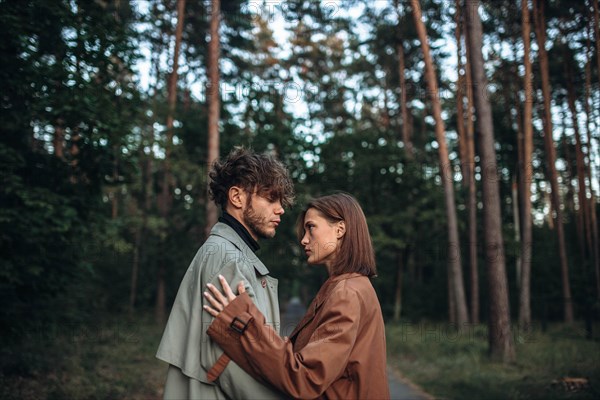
(468, 132)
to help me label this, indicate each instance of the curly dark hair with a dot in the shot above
(253, 172)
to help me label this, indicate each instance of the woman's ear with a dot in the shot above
(237, 196)
(340, 229)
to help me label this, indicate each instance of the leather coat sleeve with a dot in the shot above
(233, 381)
(241, 331)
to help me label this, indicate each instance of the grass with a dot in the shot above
(112, 359)
(451, 365)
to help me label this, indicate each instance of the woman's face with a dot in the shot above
(321, 238)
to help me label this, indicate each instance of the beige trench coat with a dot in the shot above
(336, 352)
(185, 345)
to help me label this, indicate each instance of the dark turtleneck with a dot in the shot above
(240, 230)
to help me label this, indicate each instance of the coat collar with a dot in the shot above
(240, 229)
(228, 233)
(320, 298)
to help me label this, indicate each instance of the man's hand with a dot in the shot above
(220, 300)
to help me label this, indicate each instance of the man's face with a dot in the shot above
(262, 216)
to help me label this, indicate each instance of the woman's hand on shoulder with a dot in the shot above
(219, 300)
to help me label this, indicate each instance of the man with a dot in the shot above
(251, 190)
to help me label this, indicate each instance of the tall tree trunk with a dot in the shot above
(214, 104)
(512, 91)
(526, 174)
(76, 173)
(114, 198)
(472, 203)
(398, 295)
(578, 212)
(386, 109)
(406, 125)
(597, 33)
(540, 28)
(147, 184)
(581, 167)
(500, 337)
(589, 116)
(454, 259)
(58, 141)
(517, 226)
(165, 198)
(460, 95)
(587, 95)
(135, 265)
(141, 232)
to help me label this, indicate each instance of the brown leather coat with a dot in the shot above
(336, 352)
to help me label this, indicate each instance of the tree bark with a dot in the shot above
(597, 33)
(406, 126)
(76, 174)
(589, 116)
(114, 198)
(135, 267)
(540, 28)
(512, 91)
(460, 95)
(526, 175)
(570, 196)
(140, 235)
(580, 165)
(147, 184)
(454, 259)
(500, 337)
(58, 141)
(165, 198)
(398, 294)
(406, 139)
(386, 109)
(472, 202)
(214, 105)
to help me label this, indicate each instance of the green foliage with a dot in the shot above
(110, 357)
(67, 68)
(41, 221)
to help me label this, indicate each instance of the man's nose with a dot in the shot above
(279, 210)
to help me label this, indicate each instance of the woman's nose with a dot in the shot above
(304, 240)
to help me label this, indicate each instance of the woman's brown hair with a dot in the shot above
(355, 253)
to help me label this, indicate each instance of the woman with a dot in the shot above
(337, 351)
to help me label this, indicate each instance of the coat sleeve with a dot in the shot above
(234, 381)
(243, 334)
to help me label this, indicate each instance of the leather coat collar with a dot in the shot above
(320, 298)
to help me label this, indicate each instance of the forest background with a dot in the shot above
(468, 132)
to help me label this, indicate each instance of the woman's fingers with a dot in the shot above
(226, 288)
(216, 304)
(218, 301)
(217, 296)
(211, 311)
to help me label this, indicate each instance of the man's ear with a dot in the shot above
(340, 229)
(237, 196)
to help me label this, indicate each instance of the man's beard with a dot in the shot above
(256, 224)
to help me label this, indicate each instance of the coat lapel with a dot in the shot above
(318, 301)
(227, 233)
